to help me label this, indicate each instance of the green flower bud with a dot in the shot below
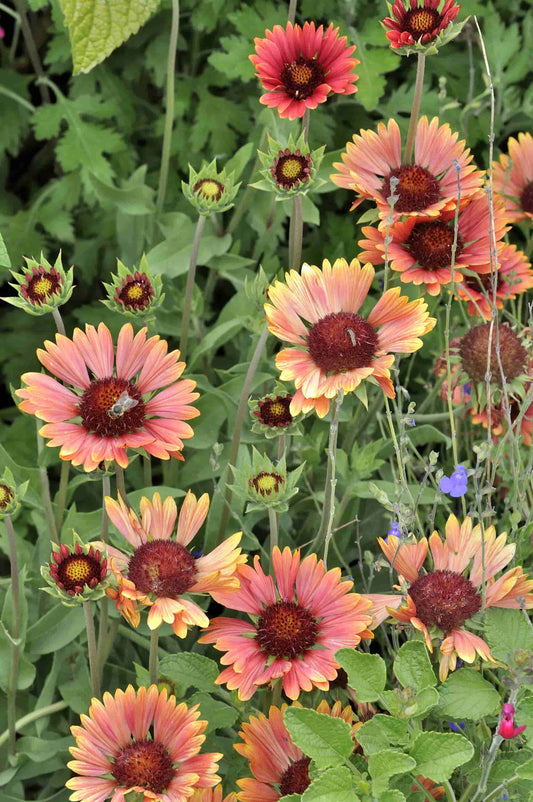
(271, 414)
(42, 287)
(134, 293)
(290, 169)
(209, 191)
(265, 484)
(76, 573)
(10, 494)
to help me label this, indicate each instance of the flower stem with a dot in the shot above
(296, 234)
(273, 522)
(31, 48)
(33, 716)
(415, 108)
(237, 428)
(56, 314)
(15, 635)
(62, 494)
(328, 511)
(169, 108)
(292, 11)
(488, 761)
(121, 487)
(152, 661)
(190, 285)
(91, 643)
(45, 490)
(147, 471)
(104, 603)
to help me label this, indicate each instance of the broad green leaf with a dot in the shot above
(412, 666)
(189, 669)
(327, 740)
(219, 335)
(392, 796)
(216, 713)
(424, 700)
(172, 256)
(507, 631)
(367, 673)
(134, 200)
(97, 27)
(438, 754)
(380, 732)
(5, 261)
(334, 785)
(386, 764)
(465, 694)
(239, 160)
(526, 770)
(55, 629)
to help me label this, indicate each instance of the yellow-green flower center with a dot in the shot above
(43, 286)
(266, 483)
(291, 168)
(209, 188)
(6, 496)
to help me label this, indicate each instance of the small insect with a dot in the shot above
(121, 405)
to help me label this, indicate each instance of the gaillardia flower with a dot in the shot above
(440, 602)
(513, 178)
(42, 287)
(514, 275)
(210, 191)
(134, 293)
(299, 67)
(161, 572)
(278, 766)
(289, 169)
(420, 26)
(422, 250)
(111, 403)
(10, 494)
(340, 348)
(212, 795)
(474, 350)
(300, 619)
(140, 742)
(76, 574)
(425, 188)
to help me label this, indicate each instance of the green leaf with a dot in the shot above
(526, 770)
(189, 669)
(392, 796)
(412, 666)
(507, 631)
(216, 713)
(326, 740)
(380, 732)
(465, 694)
(386, 764)
(97, 27)
(374, 62)
(425, 699)
(132, 200)
(55, 629)
(239, 160)
(334, 785)
(5, 261)
(367, 673)
(172, 256)
(216, 337)
(438, 754)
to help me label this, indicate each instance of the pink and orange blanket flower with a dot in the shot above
(425, 188)
(160, 572)
(300, 66)
(340, 348)
(142, 742)
(439, 602)
(212, 795)
(110, 402)
(513, 178)
(422, 251)
(300, 618)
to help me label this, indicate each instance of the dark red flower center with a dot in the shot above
(77, 571)
(482, 281)
(420, 21)
(136, 292)
(444, 599)
(300, 78)
(286, 629)
(431, 244)
(291, 169)
(526, 198)
(145, 764)
(163, 567)
(474, 350)
(6, 496)
(209, 188)
(266, 483)
(342, 341)
(295, 779)
(41, 285)
(111, 407)
(417, 188)
(275, 412)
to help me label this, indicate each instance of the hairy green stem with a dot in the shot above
(31, 48)
(237, 428)
(415, 109)
(91, 643)
(62, 494)
(189, 288)
(45, 490)
(273, 523)
(56, 314)
(121, 486)
(292, 11)
(152, 660)
(33, 716)
(296, 234)
(15, 635)
(169, 109)
(103, 633)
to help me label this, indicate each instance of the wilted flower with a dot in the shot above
(76, 574)
(456, 484)
(134, 293)
(42, 287)
(209, 191)
(474, 349)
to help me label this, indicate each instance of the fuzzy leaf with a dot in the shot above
(412, 666)
(324, 739)
(367, 673)
(465, 694)
(438, 754)
(334, 785)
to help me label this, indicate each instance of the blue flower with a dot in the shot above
(411, 422)
(456, 484)
(456, 727)
(467, 388)
(394, 530)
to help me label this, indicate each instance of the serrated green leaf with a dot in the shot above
(465, 694)
(526, 770)
(380, 732)
(438, 754)
(386, 764)
(334, 785)
(367, 673)
(412, 666)
(324, 739)
(172, 256)
(97, 27)
(217, 714)
(392, 796)
(506, 632)
(189, 669)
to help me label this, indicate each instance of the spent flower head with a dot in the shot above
(134, 293)
(265, 484)
(75, 574)
(42, 287)
(290, 168)
(421, 26)
(10, 494)
(210, 191)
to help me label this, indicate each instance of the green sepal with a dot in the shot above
(121, 278)
(208, 172)
(452, 30)
(88, 594)
(272, 431)
(17, 493)
(268, 160)
(52, 301)
(251, 468)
